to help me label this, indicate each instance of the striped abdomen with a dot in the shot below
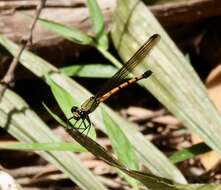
(123, 85)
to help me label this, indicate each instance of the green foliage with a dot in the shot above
(188, 153)
(24, 124)
(98, 24)
(43, 147)
(71, 34)
(90, 70)
(64, 100)
(121, 146)
(174, 83)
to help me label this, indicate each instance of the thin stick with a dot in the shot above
(10, 75)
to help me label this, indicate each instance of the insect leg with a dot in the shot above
(68, 122)
(89, 124)
(85, 126)
(69, 125)
(79, 127)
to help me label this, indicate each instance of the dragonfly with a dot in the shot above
(113, 85)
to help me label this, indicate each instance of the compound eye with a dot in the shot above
(74, 109)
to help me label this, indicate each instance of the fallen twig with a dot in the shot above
(10, 74)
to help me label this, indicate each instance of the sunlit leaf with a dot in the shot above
(90, 70)
(98, 23)
(121, 146)
(71, 34)
(43, 147)
(188, 153)
(64, 100)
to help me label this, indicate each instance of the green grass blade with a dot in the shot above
(173, 82)
(150, 181)
(91, 134)
(64, 100)
(43, 147)
(71, 34)
(148, 154)
(20, 121)
(120, 143)
(90, 70)
(156, 162)
(98, 24)
(56, 117)
(188, 153)
(121, 146)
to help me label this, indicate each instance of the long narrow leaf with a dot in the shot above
(64, 100)
(188, 153)
(98, 23)
(121, 146)
(90, 70)
(146, 151)
(71, 34)
(20, 121)
(150, 181)
(43, 147)
(174, 82)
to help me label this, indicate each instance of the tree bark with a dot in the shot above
(14, 24)
(74, 13)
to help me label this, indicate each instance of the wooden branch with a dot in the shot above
(14, 25)
(186, 12)
(170, 15)
(45, 43)
(30, 4)
(9, 77)
(75, 14)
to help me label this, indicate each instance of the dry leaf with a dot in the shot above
(213, 84)
(209, 159)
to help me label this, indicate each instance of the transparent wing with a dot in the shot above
(120, 75)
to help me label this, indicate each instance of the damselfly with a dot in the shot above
(113, 85)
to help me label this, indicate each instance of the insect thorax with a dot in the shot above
(89, 105)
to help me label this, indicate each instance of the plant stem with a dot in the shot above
(109, 56)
